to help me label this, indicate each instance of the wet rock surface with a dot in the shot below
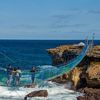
(90, 94)
(40, 93)
(30, 86)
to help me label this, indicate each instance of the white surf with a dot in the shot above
(55, 92)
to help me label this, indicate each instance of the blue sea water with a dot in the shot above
(26, 53)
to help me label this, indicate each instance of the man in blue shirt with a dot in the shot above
(9, 74)
(33, 74)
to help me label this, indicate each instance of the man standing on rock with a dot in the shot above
(9, 74)
(33, 74)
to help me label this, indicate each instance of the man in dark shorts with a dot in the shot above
(33, 74)
(9, 74)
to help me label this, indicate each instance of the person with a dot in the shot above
(9, 74)
(18, 76)
(14, 75)
(33, 74)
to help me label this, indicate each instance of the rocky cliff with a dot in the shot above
(89, 68)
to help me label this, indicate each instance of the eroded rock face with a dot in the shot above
(75, 76)
(91, 64)
(40, 93)
(93, 77)
(58, 54)
(55, 53)
(85, 76)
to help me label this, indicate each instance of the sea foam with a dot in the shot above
(55, 92)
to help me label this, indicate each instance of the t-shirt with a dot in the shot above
(33, 73)
(18, 73)
(9, 71)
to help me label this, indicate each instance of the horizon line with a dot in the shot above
(48, 39)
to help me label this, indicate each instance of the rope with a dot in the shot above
(15, 90)
(52, 73)
(7, 57)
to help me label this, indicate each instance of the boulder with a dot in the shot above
(40, 93)
(30, 86)
(90, 94)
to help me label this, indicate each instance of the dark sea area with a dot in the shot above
(26, 53)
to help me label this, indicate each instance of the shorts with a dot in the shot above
(9, 77)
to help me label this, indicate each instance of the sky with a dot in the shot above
(49, 19)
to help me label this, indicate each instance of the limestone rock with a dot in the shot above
(90, 94)
(88, 71)
(93, 78)
(92, 70)
(40, 93)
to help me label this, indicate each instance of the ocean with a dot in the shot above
(26, 53)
